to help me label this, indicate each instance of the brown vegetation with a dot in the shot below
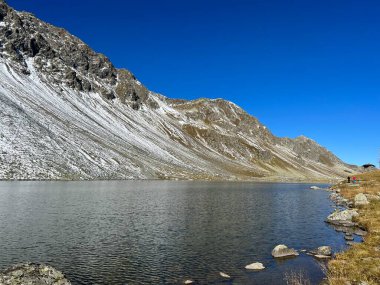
(361, 262)
(296, 278)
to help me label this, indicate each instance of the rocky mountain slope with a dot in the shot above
(67, 113)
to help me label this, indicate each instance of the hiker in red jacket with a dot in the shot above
(354, 179)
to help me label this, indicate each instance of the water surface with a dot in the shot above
(163, 232)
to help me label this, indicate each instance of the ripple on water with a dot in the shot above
(159, 232)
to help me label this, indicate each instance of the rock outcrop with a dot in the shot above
(342, 217)
(32, 273)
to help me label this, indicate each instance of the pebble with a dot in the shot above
(224, 275)
(348, 237)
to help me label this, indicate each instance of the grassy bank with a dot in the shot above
(361, 262)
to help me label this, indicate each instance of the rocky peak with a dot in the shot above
(3, 10)
(63, 58)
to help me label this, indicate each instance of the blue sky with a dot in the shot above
(300, 67)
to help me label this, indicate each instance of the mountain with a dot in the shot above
(68, 113)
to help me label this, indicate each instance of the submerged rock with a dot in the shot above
(349, 237)
(32, 273)
(315, 187)
(321, 256)
(255, 266)
(283, 251)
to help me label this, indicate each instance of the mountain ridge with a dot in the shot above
(68, 113)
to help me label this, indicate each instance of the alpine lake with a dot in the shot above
(165, 232)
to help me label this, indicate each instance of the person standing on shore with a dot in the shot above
(348, 179)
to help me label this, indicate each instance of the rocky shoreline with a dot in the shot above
(358, 216)
(342, 219)
(32, 273)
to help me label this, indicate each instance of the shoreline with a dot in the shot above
(360, 262)
(263, 180)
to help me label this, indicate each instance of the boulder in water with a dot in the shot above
(255, 266)
(224, 275)
(32, 273)
(323, 250)
(315, 188)
(283, 251)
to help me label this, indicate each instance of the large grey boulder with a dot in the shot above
(32, 273)
(283, 251)
(361, 200)
(342, 217)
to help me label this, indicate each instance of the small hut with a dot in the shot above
(368, 167)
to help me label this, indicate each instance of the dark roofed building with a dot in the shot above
(368, 167)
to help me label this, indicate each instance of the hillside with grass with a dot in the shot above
(360, 264)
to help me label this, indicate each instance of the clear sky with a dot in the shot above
(299, 66)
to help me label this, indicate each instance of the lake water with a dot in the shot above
(164, 232)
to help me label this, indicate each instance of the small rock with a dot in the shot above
(348, 224)
(348, 237)
(283, 251)
(360, 232)
(224, 275)
(255, 266)
(349, 231)
(360, 200)
(321, 256)
(350, 243)
(17, 273)
(188, 281)
(323, 250)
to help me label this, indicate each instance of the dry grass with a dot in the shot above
(362, 261)
(296, 278)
